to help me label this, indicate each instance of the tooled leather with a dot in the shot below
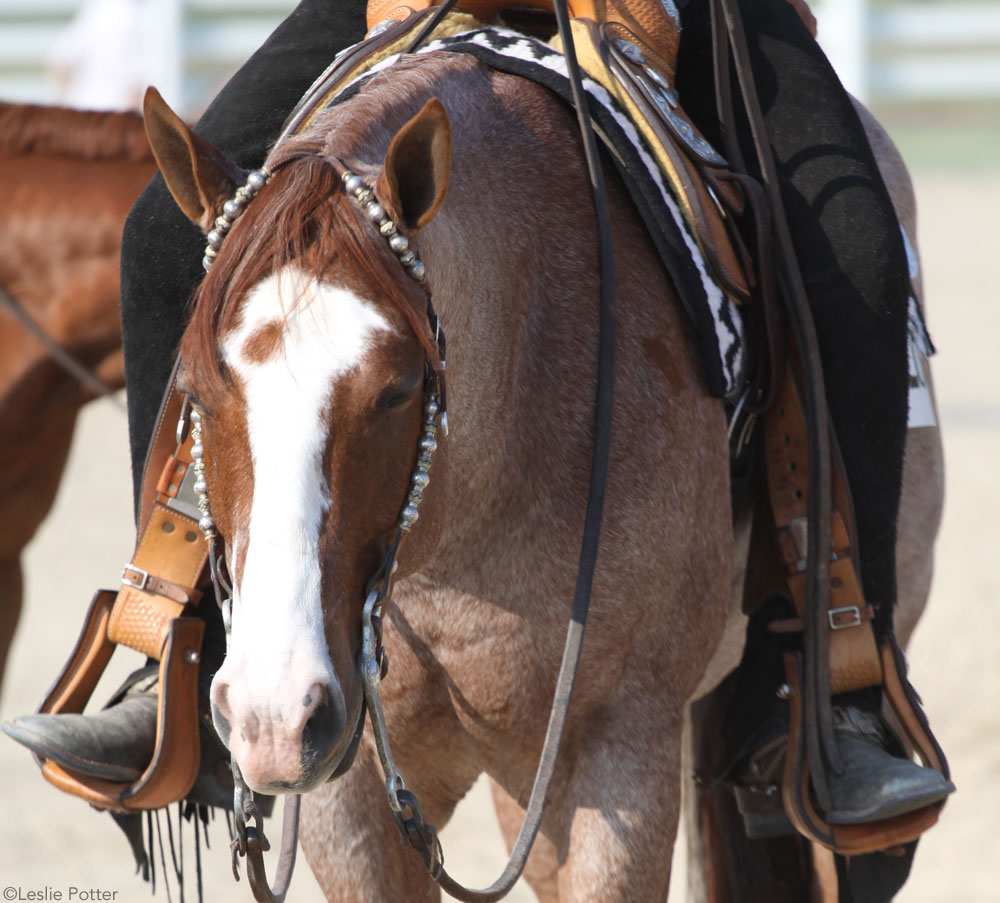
(171, 548)
(648, 21)
(854, 658)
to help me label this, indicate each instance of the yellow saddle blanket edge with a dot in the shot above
(454, 23)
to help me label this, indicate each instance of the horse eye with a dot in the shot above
(394, 397)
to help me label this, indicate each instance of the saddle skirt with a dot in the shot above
(673, 175)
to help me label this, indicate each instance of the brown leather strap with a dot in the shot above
(854, 658)
(650, 22)
(146, 614)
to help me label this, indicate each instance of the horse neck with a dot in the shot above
(508, 258)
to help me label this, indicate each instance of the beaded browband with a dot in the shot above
(362, 192)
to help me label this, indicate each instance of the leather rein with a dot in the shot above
(59, 354)
(403, 803)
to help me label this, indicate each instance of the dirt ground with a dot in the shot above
(50, 843)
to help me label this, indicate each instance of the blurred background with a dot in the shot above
(930, 70)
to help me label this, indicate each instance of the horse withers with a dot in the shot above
(306, 359)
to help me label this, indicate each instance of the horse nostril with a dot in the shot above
(221, 714)
(323, 728)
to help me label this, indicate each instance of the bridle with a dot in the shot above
(403, 804)
(59, 354)
(250, 840)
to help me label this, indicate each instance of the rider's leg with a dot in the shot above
(849, 247)
(162, 250)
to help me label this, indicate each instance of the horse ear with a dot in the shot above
(199, 176)
(414, 177)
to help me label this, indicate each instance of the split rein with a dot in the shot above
(403, 803)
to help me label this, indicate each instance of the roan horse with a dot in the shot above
(306, 358)
(68, 179)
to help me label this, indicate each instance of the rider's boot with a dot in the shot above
(878, 780)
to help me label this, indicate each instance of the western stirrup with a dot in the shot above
(151, 613)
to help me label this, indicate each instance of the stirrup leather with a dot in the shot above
(857, 660)
(150, 614)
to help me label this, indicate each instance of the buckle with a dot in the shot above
(838, 622)
(143, 576)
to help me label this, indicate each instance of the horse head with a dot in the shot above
(306, 359)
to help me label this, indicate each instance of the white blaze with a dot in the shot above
(277, 623)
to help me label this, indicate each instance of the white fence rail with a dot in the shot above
(935, 49)
(195, 46)
(943, 50)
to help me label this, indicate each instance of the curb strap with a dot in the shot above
(251, 842)
(403, 804)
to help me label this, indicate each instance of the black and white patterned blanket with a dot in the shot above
(715, 316)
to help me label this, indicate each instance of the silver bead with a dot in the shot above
(232, 208)
(420, 480)
(387, 227)
(417, 271)
(409, 517)
(399, 243)
(257, 179)
(428, 444)
(375, 211)
(206, 524)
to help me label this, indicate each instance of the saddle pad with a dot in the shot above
(715, 316)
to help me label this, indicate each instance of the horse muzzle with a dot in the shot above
(289, 740)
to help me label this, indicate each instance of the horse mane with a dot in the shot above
(35, 129)
(303, 216)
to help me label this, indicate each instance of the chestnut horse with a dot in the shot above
(306, 358)
(67, 180)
